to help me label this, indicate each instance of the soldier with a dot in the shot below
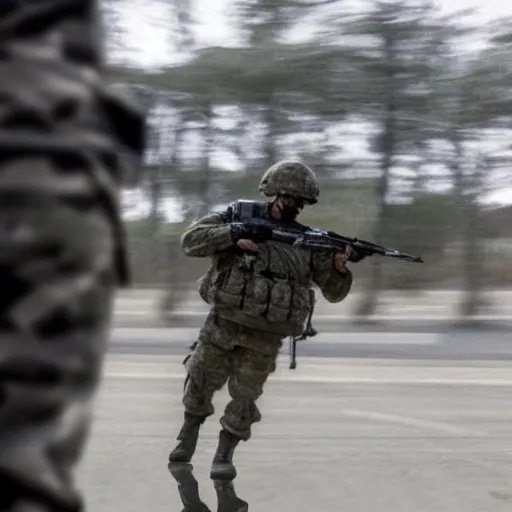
(61, 242)
(257, 301)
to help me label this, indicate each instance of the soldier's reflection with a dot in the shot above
(188, 488)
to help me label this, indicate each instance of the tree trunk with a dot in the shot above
(369, 303)
(472, 249)
(206, 179)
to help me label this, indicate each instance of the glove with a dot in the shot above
(356, 257)
(255, 232)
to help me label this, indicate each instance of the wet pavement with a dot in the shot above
(337, 434)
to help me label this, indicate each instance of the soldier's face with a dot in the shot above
(289, 206)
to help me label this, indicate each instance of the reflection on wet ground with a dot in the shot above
(188, 489)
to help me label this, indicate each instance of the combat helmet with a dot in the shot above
(290, 177)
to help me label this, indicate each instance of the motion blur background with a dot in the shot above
(402, 108)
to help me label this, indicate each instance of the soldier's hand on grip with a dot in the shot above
(247, 245)
(255, 232)
(341, 259)
(351, 255)
(356, 256)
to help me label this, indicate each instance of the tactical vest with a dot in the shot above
(240, 290)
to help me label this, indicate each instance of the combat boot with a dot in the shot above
(227, 499)
(222, 465)
(187, 438)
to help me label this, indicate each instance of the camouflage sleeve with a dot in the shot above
(207, 236)
(334, 286)
(61, 243)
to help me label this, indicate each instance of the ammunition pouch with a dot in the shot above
(261, 300)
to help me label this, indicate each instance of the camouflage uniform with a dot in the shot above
(62, 249)
(256, 302)
(223, 353)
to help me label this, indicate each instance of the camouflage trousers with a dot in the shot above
(229, 353)
(55, 304)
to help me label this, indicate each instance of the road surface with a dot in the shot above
(359, 434)
(463, 344)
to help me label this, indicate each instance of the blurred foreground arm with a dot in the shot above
(61, 242)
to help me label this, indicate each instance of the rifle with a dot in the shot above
(253, 218)
(319, 240)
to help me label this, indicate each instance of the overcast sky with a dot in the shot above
(148, 33)
(148, 26)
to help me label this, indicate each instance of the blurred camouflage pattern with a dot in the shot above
(290, 177)
(62, 253)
